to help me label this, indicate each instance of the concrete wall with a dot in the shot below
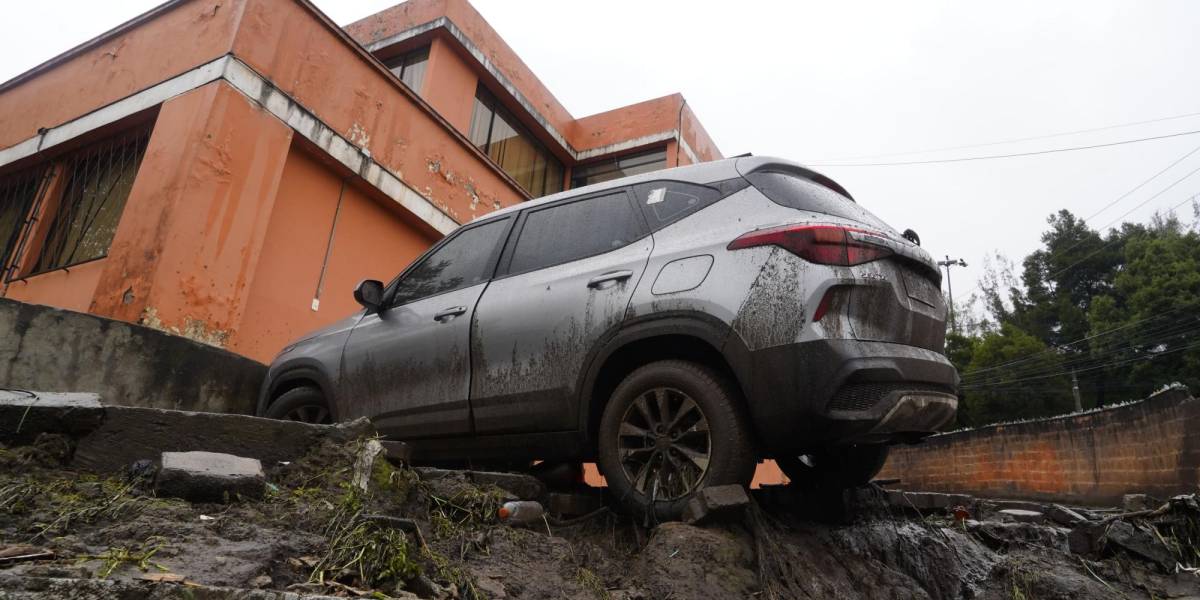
(1150, 447)
(49, 349)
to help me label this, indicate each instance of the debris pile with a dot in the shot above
(343, 521)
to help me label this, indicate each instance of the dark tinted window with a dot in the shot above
(568, 232)
(497, 132)
(665, 202)
(461, 262)
(799, 193)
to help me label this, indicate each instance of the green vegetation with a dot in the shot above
(116, 557)
(1120, 310)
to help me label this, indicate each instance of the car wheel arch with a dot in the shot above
(292, 378)
(697, 337)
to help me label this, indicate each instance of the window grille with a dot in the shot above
(97, 182)
(18, 192)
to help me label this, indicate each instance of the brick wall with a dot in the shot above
(1151, 447)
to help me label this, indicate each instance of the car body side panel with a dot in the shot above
(315, 358)
(409, 371)
(532, 334)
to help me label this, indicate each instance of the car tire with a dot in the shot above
(835, 467)
(304, 404)
(654, 465)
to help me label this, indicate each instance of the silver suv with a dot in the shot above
(676, 327)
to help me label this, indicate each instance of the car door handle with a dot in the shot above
(447, 313)
(611, 276)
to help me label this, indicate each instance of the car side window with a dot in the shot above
(668, 201)
(566, 232)
(463, 261)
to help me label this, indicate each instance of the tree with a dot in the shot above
(1014, 376)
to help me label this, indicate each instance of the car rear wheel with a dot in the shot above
(302, 404)
(835, 467)
(670, 429)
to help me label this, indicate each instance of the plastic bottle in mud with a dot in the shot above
(520, 512)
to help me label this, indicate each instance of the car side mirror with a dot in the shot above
(369, 293)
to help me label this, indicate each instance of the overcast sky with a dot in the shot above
(823, 81)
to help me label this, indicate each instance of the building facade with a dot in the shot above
(230, 169)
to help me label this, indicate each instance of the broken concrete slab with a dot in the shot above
(18, 587)
(1140, 543)
(1139, 502)
(25, 414)
(1003, 535)
(209, 477)
(1021, 516)
(520, 485)
(722, 502)
(128, 434)
(1064, 516)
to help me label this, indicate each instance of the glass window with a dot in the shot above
(98, 182)
(462, 261)
(496, 131)
(576, 230)
(410, 67)
(17, 192)
(799, 193)
(615, 168)
(668, 201)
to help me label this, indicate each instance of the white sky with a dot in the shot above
(814, 81)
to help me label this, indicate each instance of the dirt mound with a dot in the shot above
(343, 522)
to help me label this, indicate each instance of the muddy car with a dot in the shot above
(676, 327)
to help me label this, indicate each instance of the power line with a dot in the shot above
(1060, 347)
(1143, 183)
(1093, 368)
(1014, 140)
(1013, 155)
(1097, 358)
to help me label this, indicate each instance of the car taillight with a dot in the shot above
(821, 244)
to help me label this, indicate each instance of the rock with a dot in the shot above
(520, 485)
(400, 452)
(1140, 543)
(572, 504)
(131, 433)
(260, 582)
(23, 415)
(1003, 535)
(209, 476)
(1085, 538)
(1021, 516)
(722, 502)
(1064, 516)
(1139, 502)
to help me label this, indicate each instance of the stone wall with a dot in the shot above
(49, 349)
(1150, 447)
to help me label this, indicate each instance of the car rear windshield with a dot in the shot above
(799, 193)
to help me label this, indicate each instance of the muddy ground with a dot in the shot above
(317, 534)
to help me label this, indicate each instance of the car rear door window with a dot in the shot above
(665, 202)
(566, 232)
(463, 261)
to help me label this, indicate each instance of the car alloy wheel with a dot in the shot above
(664, 444)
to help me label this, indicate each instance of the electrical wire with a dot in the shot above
(1013, 140)
(1013, 155)
(1151, 339)
(1093, 368)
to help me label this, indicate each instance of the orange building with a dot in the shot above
(229, 169)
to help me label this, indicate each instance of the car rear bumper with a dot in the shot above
(848, 391)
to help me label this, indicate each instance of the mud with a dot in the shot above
(108, 534)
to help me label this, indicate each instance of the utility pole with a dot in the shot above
(1075, 391)
(951, 262)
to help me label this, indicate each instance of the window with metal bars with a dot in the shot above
(17, 194)
(97, 181)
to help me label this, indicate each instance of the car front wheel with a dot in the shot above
(670, 429)
(303, 404)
